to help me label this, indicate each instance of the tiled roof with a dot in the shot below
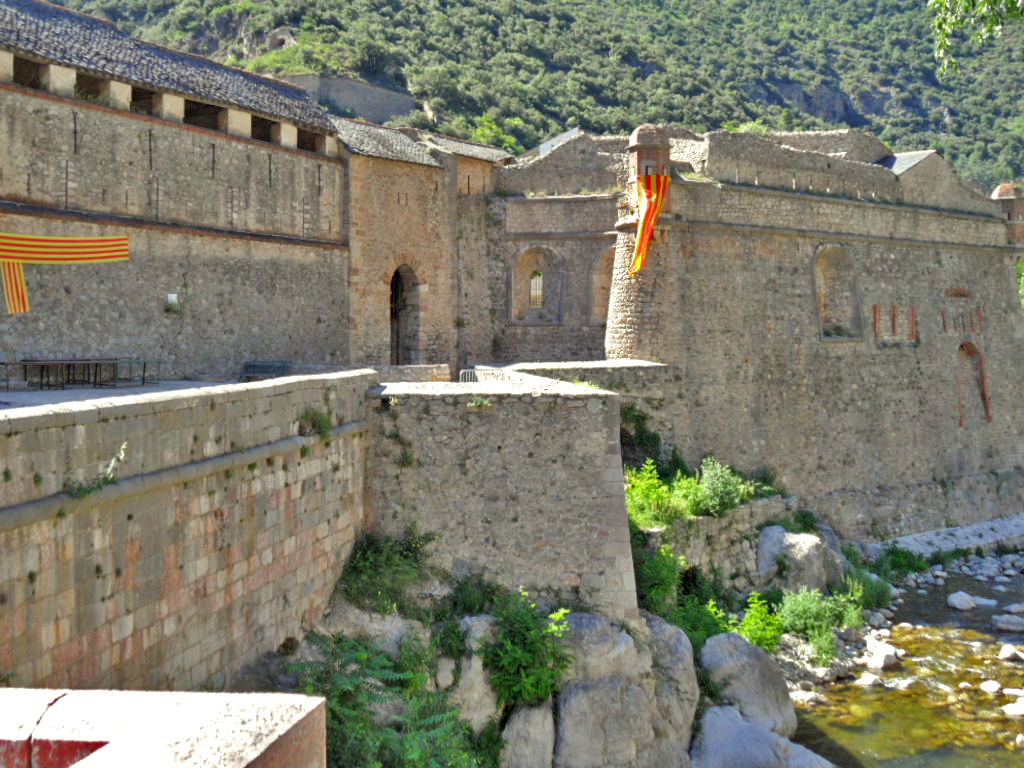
(904, 161)
(466, 148)
(377, 141)
(55, 34)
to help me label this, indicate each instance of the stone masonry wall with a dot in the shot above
(581, 165)
(574, 232)
(400, 215)
(69, 153)
(224, 535)
(520, 481)
(239, 298)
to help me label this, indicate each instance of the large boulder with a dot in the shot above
(599, 649)
(727, 740)
(675, 683)
(529, 738)
(794, 560)
(601, 722)
(386, 630)
(474, 697)
(752, 680)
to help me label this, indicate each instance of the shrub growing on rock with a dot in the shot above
(526, 659)
(760, 625)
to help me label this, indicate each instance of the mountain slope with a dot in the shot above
(538, 66)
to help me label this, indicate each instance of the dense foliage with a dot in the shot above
(654, 501)
(360, 682)
(539, 66)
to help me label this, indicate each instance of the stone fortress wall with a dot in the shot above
(231, 519)
(224, 535)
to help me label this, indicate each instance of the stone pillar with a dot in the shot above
(235, 121)
(117, 95)
(327, 145)
(57, 79)
(285, 134)
(169, 107)
(6, 66)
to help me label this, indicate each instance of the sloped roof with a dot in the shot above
(902, 162)
(44, 31)
(378, 141)
(466, 148)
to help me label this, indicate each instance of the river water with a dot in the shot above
(923, 718)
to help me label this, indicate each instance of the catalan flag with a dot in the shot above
(18, 250)
(651, 192)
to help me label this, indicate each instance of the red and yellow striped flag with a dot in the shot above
(651, 192)
(18, 250)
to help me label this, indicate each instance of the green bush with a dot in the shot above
(814, 616)
(381, 570)
(876, 592)
(760, 625)
(527, 657)
(700, 620)
(654, 502)
(895, 562)
(356, 676)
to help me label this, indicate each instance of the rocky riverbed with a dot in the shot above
(937, 681)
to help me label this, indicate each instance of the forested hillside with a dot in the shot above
(539, 66)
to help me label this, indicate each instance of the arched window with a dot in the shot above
(601, 286)
(535, 287)
(405, 316)
(838, 304)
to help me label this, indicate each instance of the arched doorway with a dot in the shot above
(405, 316)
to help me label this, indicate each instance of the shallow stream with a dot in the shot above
(923, 718)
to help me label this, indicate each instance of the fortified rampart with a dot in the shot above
(224, 535)
(506, 473)
(232, 517)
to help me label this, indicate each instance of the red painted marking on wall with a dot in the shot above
(894, 319)
(912, 332)
(876, 311)
(944, 327)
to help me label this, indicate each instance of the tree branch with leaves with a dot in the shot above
(985, 17)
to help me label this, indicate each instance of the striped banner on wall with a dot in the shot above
(651, 192)
(18, 250)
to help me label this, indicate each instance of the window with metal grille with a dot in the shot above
(537, 290)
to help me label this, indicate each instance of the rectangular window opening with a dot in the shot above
(262, 128)
(142, 101)
(537, 290)
(307, 140)
(202, 115)
(88, 87)
(28, 73)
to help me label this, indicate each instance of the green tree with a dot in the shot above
(985, 17)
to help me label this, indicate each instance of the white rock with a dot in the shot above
(445, 672)
(883, 656)
(752, 680)
(726, 740)
(985, 602)
(961, 601)
(529, 738)
(474, 697)
(1008, 622)
(991, 686)
(1014, 693)
(1008, 652)
(868, 680)
(600, 649)
(998, 588)
(1014, 709)
(600, 722)
(1014, 608)
(964, 686)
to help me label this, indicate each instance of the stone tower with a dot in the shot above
(1011, 198)
(641, 307)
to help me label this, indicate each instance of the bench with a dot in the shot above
(254, 370)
